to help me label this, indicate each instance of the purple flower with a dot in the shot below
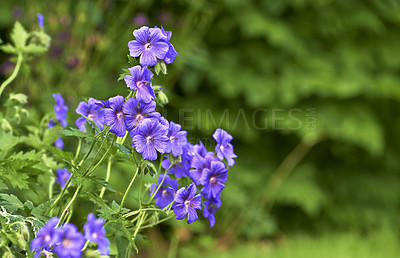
(186, 203)
(178, 168)
(151, 136)
(51, 123)
(40, 20)
(200, 149)
(165, 195)
(71, 244)
(150, 44)
(62, 176)
(140, 80)
(60, 109)
(95, 232)
(46, 237)
(200, 165)
(171, 54)
(210, 207)
(59, 143)
(92, 110)
(224, 148)
(212, 179)
(177, 139)
(114, 115)
(135, 112)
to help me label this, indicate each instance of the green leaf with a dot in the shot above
(122, 149)
(77, 133)
(34, 49)
(11, 202)
(9, 49)
(125, 73)
(19, 35)
(40, 210)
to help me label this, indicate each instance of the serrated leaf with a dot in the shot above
(19, 35)
(34, 49)
(40, 210)
(11, 202)
(77, 133)
(125, 73)
(8, 48)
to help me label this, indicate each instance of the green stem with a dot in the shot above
(13, 75)
(139, 224)
(78, 149)
(139, 211)
(127, 189)
(101, 160)
(69, 204)
(159, 186)
(107, 177)
(60, 195)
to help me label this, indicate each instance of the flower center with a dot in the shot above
(164, 192)
(139, 84)
(67, 243)
(187, 202)
(213, 180)
(47, 238)
(120, 115)
(139, 117)
(58, 108)
(149, 138)
(222, 147)
(91, 116)
(172, 138)
(95, 235)
(147, 46)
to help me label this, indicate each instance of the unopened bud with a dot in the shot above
(157, 67)
(21, 241)
(19, 97)
(25, 232)
(17, 118)
(5, 125)
(162, 97)
(163, 67)
(24, 112)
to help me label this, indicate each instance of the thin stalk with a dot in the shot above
(139, 224)
(127, 189)
(159, 186)
(13, 75)
(69, 204)
(101, 160)
(60, 195)
(78, 149)
(107, 177)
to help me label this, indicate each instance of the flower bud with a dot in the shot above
(25, 232)
(5, 125)
(24, 112)
(162, 97)
(163, 67)
(19, 97)
(157, 67)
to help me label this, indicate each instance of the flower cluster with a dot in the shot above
(67, 241)
(203, 168)
(152, 133)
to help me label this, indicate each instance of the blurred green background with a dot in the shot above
(309, 89)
